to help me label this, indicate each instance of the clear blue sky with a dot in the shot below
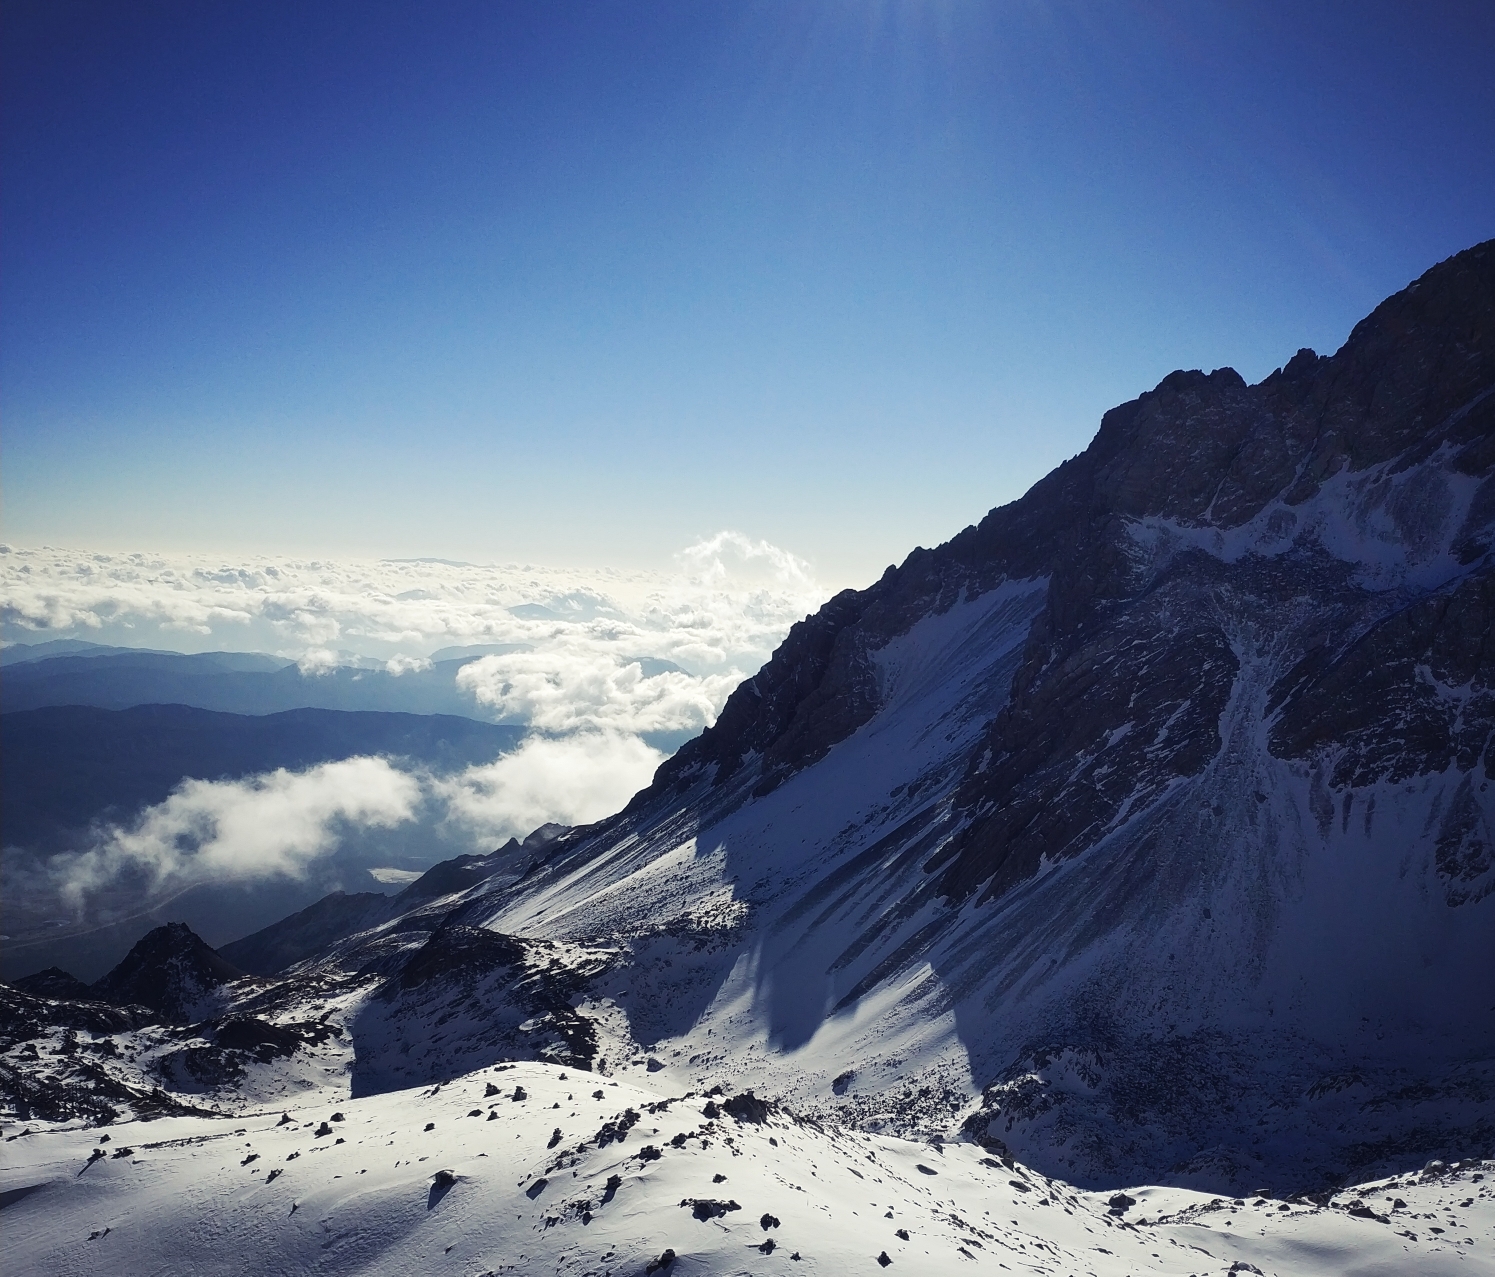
(579, 282)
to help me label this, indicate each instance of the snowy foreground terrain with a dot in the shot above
(531, 1168)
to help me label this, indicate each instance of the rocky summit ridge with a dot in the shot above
(1143, 831)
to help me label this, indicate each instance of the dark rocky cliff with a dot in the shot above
(1128, 669)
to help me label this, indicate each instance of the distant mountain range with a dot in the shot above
(64, 767)
(230, 682)
(94, 735)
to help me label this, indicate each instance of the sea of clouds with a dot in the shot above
(593, 662)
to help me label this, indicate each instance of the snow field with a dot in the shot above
(426, 1181)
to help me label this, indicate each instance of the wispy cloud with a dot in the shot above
(276, 824)
(572, 781)
(285, 824)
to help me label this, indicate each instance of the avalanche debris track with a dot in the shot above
(455, 1179)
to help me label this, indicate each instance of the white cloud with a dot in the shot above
(728, 604)
(398, 665)
(574, 685)
(276, 824)
(392, 877)
(283, 824)
(603, 657)
(718, 616)
(318, 660)
(571, 780)
(731, 560)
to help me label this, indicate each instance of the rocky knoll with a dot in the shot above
(171, 970)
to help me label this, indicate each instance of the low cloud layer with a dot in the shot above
(572, 781)
(603, 666)
(277, 824)
(287, 824)
(579, 650)
(728, 602)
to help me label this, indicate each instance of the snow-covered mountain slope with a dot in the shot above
(1155, 811)
(534, 1168)
(1143, 832)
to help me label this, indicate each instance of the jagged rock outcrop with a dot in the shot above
(171, 970)
(54, 982)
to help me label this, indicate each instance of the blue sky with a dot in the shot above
(579, 283)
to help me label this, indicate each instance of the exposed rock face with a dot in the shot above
(54, 982)
(27, 1015)
(171, 970)
(469, 997)
(816, 691)
(73, 1079)
(463, 952)
(224, 1050)
(1412, 694)
(1132, 663)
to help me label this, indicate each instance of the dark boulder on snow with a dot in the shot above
(747, 1107)
(704, 1208)
(442, 1182)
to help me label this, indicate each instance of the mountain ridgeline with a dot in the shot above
(1210, 489)
(1143, 831)
(1163, 786)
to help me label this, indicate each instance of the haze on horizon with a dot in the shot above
(581, 285)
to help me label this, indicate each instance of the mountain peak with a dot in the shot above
(171, 969)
